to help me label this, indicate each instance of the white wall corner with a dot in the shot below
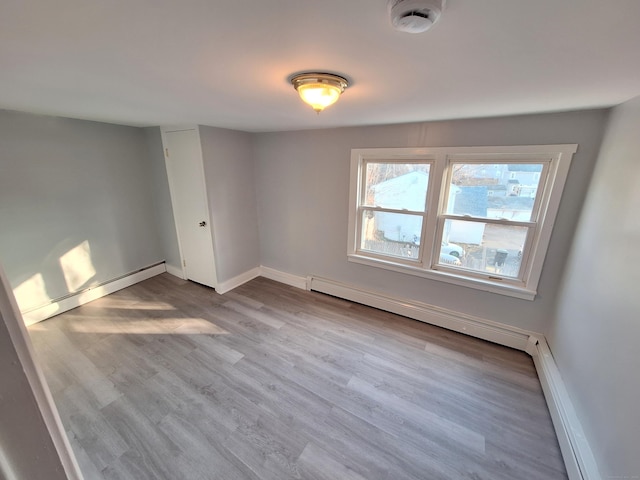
(175, 271)
(576, 451)
(283, 277)
(228, 285)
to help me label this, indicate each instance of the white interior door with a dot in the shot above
(183, 155)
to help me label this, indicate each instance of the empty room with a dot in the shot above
(359, 240)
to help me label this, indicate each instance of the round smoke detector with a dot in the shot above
(414, 16)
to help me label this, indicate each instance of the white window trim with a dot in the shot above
(559, 160)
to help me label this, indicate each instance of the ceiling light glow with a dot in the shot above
(319, 89)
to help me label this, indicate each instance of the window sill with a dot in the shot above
(463, 281)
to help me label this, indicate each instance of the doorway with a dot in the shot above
(185, 169)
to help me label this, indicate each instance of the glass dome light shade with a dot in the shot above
(319, 89)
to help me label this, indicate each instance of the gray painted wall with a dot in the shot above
(229, 175)
(303, 187)
(64, 182)
(594, 338)
(165, 221)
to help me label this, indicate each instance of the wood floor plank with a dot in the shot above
(440, 427)
(367, 445)
(169, 380)
(316, 464)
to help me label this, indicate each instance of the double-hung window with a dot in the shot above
(480, 217)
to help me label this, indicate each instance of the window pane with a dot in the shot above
(401, 186)
(483, 247)
(395, 234)
(499, 190)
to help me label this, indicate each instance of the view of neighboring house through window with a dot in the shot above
(478, 217)
(498, 204)
(394, 206)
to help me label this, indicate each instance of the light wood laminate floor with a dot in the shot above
(169, 380)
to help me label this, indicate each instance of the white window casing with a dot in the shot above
(553, 162)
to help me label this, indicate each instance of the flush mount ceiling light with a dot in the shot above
(319, 89)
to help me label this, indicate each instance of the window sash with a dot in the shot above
(409, 261)
(532, 225)
(362, 184)
(363, 205)
(497, 221)
(391, 210)
(532, 229)
(543, 184)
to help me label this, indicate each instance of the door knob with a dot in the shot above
(202, 223)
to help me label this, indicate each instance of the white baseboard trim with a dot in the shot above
(175, 271)
(228, 285)
(80, 298)
(283, 277)
(576, 452)
(459, 322)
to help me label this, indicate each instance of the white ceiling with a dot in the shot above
(227, 63)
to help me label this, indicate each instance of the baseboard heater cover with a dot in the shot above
(576, 451)
(468, 324)
(75, 299)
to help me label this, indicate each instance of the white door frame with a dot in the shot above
(172, 193)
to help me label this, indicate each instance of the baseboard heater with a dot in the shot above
(75, 299)
(460, 322)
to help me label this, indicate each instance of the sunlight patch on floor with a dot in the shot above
(147, 326)
(127, 305)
